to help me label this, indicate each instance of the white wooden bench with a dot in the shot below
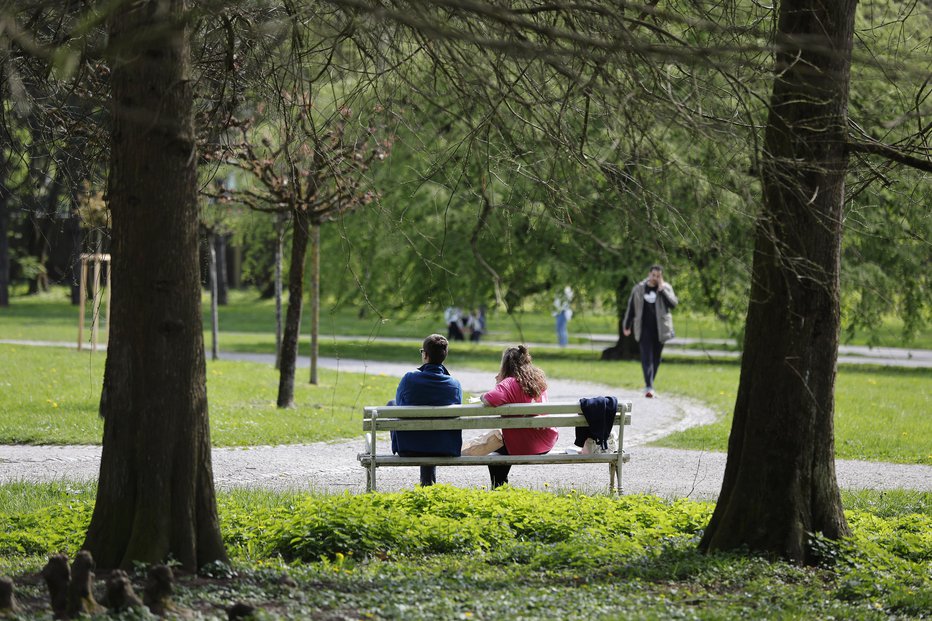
(478, 416)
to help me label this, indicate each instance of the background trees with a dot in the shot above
(538, 144)
(782, 434)
(304, 156)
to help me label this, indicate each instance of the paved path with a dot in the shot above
(332, 466)
(688, 347)
(847, 354)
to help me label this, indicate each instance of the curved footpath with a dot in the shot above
(332, 466)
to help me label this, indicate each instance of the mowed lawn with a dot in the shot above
(881, 414)
(50, 395)
(51, 317)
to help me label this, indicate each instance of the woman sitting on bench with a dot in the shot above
(519, 381)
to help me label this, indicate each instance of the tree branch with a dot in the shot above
(891, 153)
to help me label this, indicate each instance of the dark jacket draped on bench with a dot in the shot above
(600, 415)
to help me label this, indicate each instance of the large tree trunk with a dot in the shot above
(155, 497)
(4, 196)
(289, 355)
(780, 480)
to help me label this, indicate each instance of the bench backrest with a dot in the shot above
(478, 416)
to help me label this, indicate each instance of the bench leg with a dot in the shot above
(371, 441)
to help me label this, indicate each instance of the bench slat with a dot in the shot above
(391, 424)
(478, 460)
(476, 409)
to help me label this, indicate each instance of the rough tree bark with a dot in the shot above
(4, 193)
(155, 496)
(289, 353)
(780, 483)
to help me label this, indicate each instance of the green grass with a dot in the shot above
(50, 316)
(881, 414)
(443, 553)
(51, 396)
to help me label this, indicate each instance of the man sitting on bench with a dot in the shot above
(431, 384)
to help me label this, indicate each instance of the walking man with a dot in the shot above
(648, 314)
(431, 384)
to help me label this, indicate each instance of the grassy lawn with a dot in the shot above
(51, 396)
(51, 317)
(443, 553)
(881, 414)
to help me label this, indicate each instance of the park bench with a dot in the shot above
(478, 416)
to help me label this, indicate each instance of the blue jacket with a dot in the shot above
(431, 384)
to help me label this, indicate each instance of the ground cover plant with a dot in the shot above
(51, 396)
(440, 552)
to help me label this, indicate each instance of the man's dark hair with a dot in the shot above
(659, 268)
(435, 346)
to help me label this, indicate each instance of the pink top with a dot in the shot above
(521, 441)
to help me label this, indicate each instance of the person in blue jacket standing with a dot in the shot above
(563, 312)
(431, 384)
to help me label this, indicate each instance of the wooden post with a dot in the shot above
(96, 299)
(625, 413)
(95, 322)
(370, 480)
(82, 300)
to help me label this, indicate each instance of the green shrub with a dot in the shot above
(442, 519)
(426, 553)
(46, 530)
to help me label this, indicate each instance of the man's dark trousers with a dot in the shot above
(651, 348)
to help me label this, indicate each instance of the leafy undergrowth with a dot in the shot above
(446, 553)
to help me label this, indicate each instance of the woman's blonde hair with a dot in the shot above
(516, 363)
